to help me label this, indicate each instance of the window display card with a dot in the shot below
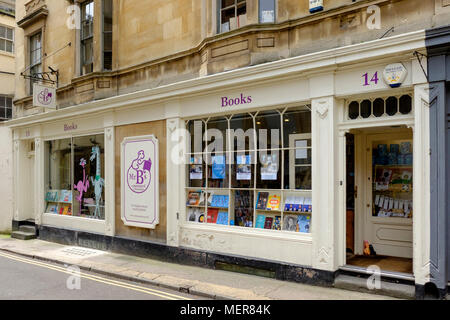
(301, 153)
(267, 16)
(386, 203)
(244, 169)
(269, 167)
(218, 167)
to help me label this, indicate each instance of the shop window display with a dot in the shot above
(75, 173)
(263, 178)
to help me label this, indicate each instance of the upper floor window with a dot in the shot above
(6, 39)
(35, 57)
(232, 14)
(5, 108)
(266, 11)
(87, 37)
(107, 34)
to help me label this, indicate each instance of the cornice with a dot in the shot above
(296, 66)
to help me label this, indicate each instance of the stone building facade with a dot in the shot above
(144, 69)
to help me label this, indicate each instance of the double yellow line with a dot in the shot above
(153, 292)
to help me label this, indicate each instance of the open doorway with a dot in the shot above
(379, 202)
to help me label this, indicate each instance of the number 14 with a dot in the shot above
(366, 78)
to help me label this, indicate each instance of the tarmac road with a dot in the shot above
(28, 279)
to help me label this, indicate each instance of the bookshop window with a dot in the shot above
(261, 180)
(232, 14)
(75, 171)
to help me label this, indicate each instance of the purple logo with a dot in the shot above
(138, 174)
(69, 127)
(45, 97)
(228, 102)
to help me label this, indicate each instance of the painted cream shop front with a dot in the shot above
(349, 175)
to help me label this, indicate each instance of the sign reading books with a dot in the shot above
(139, 181)
(44, 96)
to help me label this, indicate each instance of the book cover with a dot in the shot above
(222, 218)
(61, 210)
(261, 202)
(212, 215)
(308, 205)
(269, 167)
(303, 223)
(218, 167)
(276, 223)
(274, 202)
(290, 222)
(65, 210)
(260, 220)
(193, 198)
(288, 203)
(268, 223)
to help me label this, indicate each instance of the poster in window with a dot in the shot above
(244, 169)
(269, 166)
(301, 153)
(196, 169)
(139, 181)
(218, 167)
(267, 16)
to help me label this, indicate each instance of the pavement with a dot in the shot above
(203, 282)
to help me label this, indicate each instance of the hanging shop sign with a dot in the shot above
(44, 96)
(139, 181)
(395, 74)
(315, 5)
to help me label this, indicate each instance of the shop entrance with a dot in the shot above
(379, 175)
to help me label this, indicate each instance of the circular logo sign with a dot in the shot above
(139, 173)
(395, 74)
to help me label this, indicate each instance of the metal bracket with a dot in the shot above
(419, 57)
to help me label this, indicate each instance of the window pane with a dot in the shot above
(217, 170)
(2, 102)
(8, 102)
(242, 134)
(378, 107)
(268, 170)
(107, 15)
(196, 171)
(107, 60)
(10, 34)
(266, 11)
(2, 113)
(296, 121)
(58, 179)
(391, 106)
(353, 110)
(366, 108)
(88, 177)
(9, 113)
(243, 209)
(226, 3)
(2, 32)
(405, 104)
(242, 170)
(196, 130)
(268, 126)
(217, 134)
(2, 44)
(9, 46)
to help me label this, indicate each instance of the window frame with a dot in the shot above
(230, 187)
(274, 12)
(6, 39)
(5, 107)
(86, 39)
(107, 32)
(38, 63)
(220, 10)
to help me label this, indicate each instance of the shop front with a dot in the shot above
(265, 167)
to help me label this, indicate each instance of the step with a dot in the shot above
(23, 235)
(27, 228)
(396, 290)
